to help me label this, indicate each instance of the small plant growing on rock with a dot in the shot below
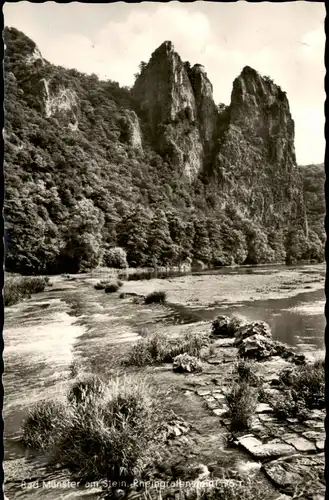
(158, 297)
(186, 363)
(242, 402)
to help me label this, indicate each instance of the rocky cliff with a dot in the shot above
(255, 162)
(160, 169)
(248, 147)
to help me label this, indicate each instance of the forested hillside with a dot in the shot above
(313, 185)
(86, 172)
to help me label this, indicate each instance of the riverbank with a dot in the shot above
(107, 327)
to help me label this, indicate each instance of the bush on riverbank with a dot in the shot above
(108, 285)
(303, 390)
(19, 288)
(159, 349)
(116, 258)
(86, 390)
(114, 438)
(157, 297)
(241, 401)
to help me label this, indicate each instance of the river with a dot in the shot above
(71, 320)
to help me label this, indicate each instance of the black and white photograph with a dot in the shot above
(164, 241)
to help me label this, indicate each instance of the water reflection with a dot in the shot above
(297, 320)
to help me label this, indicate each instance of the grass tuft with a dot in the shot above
(241, 401)
(114, 438)
(42, 423)
(157, 297)
(159, 349)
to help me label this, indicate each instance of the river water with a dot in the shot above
(44, 334)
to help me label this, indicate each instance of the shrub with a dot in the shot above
(101, 285)
(306, 383)
(156, 297)
(115, 257)
(139, 355)
(191, 344)
(74, 369)
(108, 285)
(226, 327)
(116, 437)
(242, 402)
(41, 424)
(16, 289)
(112, 287)
(288, 406)
(186, 363)
(309, 385)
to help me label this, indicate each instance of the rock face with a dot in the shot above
(61, 102)
(256, 156)
(166, 96)
(247, 147)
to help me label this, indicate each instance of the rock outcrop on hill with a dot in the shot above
(160, 169)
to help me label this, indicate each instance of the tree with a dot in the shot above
(159, 240)
(83, 236)
(201, 244)
(133, 235)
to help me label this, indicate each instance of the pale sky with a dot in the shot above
(284, 41)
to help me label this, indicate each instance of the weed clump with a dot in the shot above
(159, 349)
(241, 401)
(246, 373)
(157, 297)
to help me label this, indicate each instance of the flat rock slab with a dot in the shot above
(314, 435)
(320, 445)
(287, 472)
(300, 443)
(263, 408)
(314, 424)
(272, 450)
(203, 392)
(259, 450)
(219, 411)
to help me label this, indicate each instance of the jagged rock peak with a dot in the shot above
(165, 48)
(251, 82)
